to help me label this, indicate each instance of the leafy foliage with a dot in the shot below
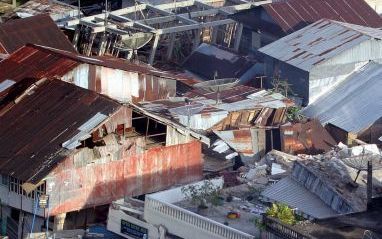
(202, 195)
(293, 114)
(282, 212)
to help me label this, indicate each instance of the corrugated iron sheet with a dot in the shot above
(294, 195)
(305, 138)
(154, 170)
(115, 77)
(293, 15)
(208, 59)
(34, 129)
(355, 104)
(319, 42)
(40, 29)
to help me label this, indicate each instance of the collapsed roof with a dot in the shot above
(44, 124)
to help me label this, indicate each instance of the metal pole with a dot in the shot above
(106, 3)
(47, 218)
(34, 212)
(79, 10)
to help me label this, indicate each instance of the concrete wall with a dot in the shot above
(114, 224)
(73, 188)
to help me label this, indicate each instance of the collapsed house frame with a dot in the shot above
(186, 23)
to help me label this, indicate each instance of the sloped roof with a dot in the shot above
(34, 129)
(292, 15)
(40, 29)
(290, 192)
(33, 61)
(318, 42)
(353, 105)
(207, 59)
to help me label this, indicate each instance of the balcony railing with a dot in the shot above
(176, 213)
(283, 230)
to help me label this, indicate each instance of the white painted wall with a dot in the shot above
(114, 223)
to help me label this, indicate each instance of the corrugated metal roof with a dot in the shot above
(319, 42)
(208, 59)
(294, 195)
(33, 130)
(32, 61)
(40, 29)
(355, 104)
(293, 15)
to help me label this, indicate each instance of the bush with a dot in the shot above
(282, 212)
(201, 195)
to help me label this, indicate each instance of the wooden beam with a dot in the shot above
(239, 32)
(154, 49)
(170, 47)
(195, 26)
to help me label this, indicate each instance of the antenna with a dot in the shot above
(217, 85)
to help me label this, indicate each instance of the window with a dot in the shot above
(4, 180)
(15, 185)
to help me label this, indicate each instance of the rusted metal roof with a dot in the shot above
(319, 42)
(293, 15)
(33, 61)
(34, 129)
(306, 137)
(52, 54)
(40, 29)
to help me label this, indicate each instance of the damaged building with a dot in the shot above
(90, 153)
(319, 56)
(155, 33)
(119, 79)
(267, 23)
(352, 109)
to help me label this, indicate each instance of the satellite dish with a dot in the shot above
(217, 85)
(188, 110)
(360, 162)
(135, 41)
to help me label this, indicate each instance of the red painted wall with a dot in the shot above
(72, 188)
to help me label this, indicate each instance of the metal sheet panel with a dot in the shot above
(294, 195)
(355, 104)
(319, 42)
(293, 15)
(154, 170)
(40, 29)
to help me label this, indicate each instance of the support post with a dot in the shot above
(59, 221)
(90, 45)
(197, 38)
(170, 47)
(76, 36)
(369, 183)
(154, 49)
(214, 34)
(239, 32)
(101, 49)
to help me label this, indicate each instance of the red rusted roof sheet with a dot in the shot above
(293, 15)
(40, 29)
(34, 129)
(308, 137)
